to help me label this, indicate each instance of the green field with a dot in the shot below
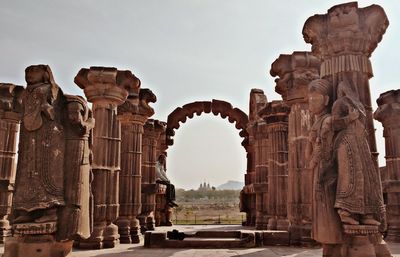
(208, 207)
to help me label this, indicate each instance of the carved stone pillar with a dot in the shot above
(276, 116)
(388, 113)
(163, 215)
(295, 72)
(132, 115)
(152, 131)
(261, 168)
(248, 195)
(10, 119)
(106, 88)
(344, 39)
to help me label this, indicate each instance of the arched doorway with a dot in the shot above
(240, 119)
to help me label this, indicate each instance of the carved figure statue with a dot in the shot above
(51, 205)
(359, 197)
(77, 216)
(40, 172)
(347, 193)
(326, 227)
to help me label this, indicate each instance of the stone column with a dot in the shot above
(295, 71)
(132, 115)
(344, 39)
(261, 170)
(276, 116)
(10, 119)
(249, 196)
(152, 131)
(388, 113)
(106, 88)
(163, 215)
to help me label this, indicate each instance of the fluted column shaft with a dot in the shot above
(388, 113)
(151, 134)
(9, 129)
(277, 175)
(130, 176)
(261, 172)
(10, 119)
(106, 88)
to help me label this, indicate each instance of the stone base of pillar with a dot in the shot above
(128, 229)
(282, 224)
(393, 236)
(36, 246)
(142, 222)
(111, 236)
(135, 231)
(261, 222)
(124, 230)
(5, 230)
(364, 241)
(393, 230)
(95, 241)
(300, 235)
(150, 222)
(271, 224)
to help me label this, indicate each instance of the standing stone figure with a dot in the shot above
(326, 226)
(40, 173)
(347, 193)
(51, 200)
(78, 213)
(359, 198)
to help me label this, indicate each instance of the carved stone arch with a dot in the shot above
(217, 107)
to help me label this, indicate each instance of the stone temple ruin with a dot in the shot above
(96, 177)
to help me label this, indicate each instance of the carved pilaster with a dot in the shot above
(152, 131)
(276, 116)
(165, 192)
(295, 71)
(248, 195)
(106, 88)
(132, 115)
(261, 174)
(344, 39)
(388, 113)
(10, 109)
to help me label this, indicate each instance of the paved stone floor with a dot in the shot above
(124, 250)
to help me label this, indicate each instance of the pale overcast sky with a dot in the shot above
(185, 51)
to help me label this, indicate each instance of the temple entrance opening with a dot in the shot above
(207, 182)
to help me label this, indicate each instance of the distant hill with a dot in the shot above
(231, 185)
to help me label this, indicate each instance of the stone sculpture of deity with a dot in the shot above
(347, 194)
(359, 198)
(326, 227)
(51, 204)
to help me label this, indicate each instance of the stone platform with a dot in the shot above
(137, 250)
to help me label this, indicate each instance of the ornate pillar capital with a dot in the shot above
(388, 111)
(294, 71)
(107, 85)
(345, 37)
(10, 101)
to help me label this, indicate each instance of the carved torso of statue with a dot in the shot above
(359, 190)
(41, 147)
(52, 188)
(326, 223)
(77, 220)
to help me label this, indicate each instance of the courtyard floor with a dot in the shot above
(124, 250)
